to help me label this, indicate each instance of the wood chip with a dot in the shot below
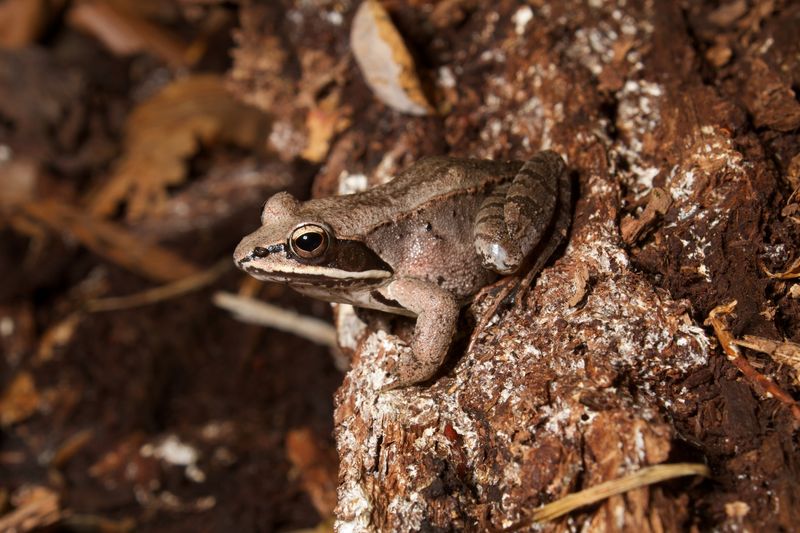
(70, 447)
(57, 336)
(658, 203)
(728, 13)
(385, 62)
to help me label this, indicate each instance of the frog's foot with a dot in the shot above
(437, 313)
(403, 369)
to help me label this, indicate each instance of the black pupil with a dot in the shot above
(308, 242)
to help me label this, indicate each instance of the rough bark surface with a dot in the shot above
(605, 366)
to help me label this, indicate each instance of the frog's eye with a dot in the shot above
(309, 241)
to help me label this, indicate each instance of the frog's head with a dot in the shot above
(295, 245)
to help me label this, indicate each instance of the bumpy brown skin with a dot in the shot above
(420, 245)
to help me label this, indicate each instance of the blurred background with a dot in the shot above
(132, 160)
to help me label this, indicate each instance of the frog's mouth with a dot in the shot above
(316, 275)
(347, 263)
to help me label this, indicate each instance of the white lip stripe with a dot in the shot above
(332, 272)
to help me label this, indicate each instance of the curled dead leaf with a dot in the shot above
(163, 132)
(384, 60)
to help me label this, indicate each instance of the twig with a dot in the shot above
(159, 294)
(727, 342)
(257, 312)
(642, 478)
(784, 353)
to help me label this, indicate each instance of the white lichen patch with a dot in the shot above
(638, 116)
(598, 45)
(521, 18)
(175, 452)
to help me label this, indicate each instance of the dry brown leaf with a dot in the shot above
(384, 60)
(163, 132)
(111, 241)
(19, 402)
(125, 33)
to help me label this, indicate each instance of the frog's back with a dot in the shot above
(427, 181)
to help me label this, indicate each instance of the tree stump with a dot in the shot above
(679, 125)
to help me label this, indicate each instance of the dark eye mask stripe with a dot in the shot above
(353, 256)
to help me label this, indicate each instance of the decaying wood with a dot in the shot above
(605, 367)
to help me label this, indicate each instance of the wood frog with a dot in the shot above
(421, 245)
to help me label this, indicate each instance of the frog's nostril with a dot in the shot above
(259, 251)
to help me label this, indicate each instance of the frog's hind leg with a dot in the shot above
(515, 216)
(555, 228)
(559, 227)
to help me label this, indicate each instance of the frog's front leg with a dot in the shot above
(437, 313)
(515, 216)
